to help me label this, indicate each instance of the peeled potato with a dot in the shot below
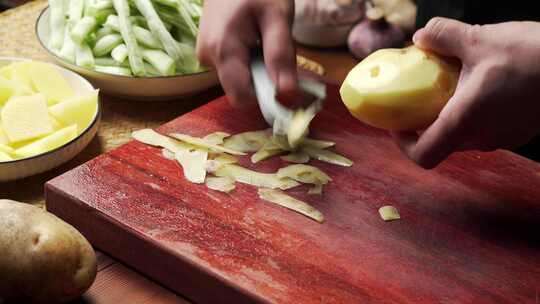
(43, 260)
(399, 89)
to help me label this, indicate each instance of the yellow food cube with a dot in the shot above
(48, 143)
(5, 157)
(79, 110)
(26, 117)
(399, 89)
(47, 79)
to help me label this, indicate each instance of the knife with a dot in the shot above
(275, 114)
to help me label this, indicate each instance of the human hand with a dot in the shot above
(497, 99)
(230, 29)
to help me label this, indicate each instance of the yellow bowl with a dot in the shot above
(21, 168)
(139, 88)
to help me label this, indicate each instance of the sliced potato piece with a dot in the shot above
(193, 163)
(248, 141)
(151, 137)
(21, 74)
(299, 157)
(268, 150)
(223, 184)
(304, 174)
(79, 110)
(389, 213)
(48, 80)
(328, 156)
(316, 190)
(317, 143)
(3, 137)
(257, 179)
(4, 157)
(216, 138)
(6, 90)
(204, 144)
(26, 117)
(48, 143)
(6, 149)
(281, 198)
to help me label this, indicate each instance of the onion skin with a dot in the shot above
(371, 35)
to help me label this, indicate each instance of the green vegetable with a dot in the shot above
(115, 70)
(158, 28)
(68, 51)
(106, 44)
(108, 61)
(82, 29)
(104, 31)
(134, 53)
(75, 11)
(145, 37)
(120, 53)
(57, 23)
(161, 61)
(84, 56)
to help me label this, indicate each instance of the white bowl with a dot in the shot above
(140, 88)
(17, 169)
(321, 35)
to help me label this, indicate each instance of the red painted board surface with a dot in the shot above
(469, 231)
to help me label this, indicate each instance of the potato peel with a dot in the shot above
(204, 144)
(281, 198)
(317, 143)
(298, 157)
(168, 154)
(151, 137)
(222, 184)
(268, 150)
(328, 156)
(305, 174)
(193, 163)
(248, 141)
(389, 213)
(216, 138)
(316, 190)
(254, 178)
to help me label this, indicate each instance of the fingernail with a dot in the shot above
(416, 36)
(287, 82)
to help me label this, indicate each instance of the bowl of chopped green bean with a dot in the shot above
(138, 49)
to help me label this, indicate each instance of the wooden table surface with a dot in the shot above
(117, 283)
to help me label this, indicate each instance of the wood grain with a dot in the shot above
(467, 234)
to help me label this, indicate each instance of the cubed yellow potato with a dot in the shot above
(26, 117)
(399, 89)
(79, 110)
(47, 79)
(48, 143)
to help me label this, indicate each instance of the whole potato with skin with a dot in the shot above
(42, 258)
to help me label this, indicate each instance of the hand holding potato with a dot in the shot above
(496, 101)
(229, 29)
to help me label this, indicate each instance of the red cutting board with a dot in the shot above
(469, 231)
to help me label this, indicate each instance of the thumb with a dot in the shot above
(444, 36)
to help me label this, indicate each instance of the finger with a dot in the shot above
(279, 53)
(405, 141)
(444, 36)
(234, 74)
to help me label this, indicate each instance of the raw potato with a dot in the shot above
(399, 89)
(43, 259)
(25, 118)
(193, 163)
(389, 213)
(47, 79)
(48, 143)
(79, 110)
(281, 198)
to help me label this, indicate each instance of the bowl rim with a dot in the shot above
(90, 127)
(51, 53)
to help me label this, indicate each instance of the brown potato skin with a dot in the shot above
(42, 258)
